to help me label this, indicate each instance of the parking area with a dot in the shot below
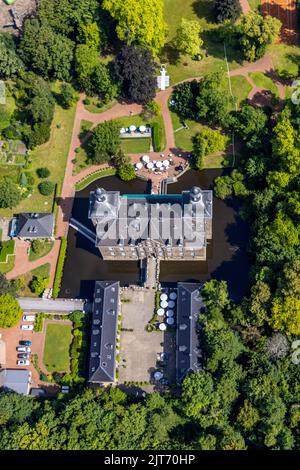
(12, 337)
(143, 353)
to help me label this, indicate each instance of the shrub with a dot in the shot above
(37, 246)
(43, 172)
(59, 268)
(157, 136)
(39, 284)
(38, 324)
(126, 172)
(46, 188)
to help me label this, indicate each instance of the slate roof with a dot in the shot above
(189, 305)
(16, 380)
(35, 225)
(102, 360)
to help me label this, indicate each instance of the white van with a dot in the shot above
(28, 318)
(27, 327)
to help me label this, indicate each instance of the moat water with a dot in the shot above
(226, 253)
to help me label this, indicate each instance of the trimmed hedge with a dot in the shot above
(157, 133)
(59, 268)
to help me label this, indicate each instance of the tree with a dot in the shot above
(135, 69)
(207, 142)
(67, 95)
(286, 315)
(139, 22)
(46, 188)
(212, 103)
(43, 172)
(277, 346)
(57, 14)
(184, 99)
(250, 124)
(227, 10)
(86, 61)
(6, 287)
(126, 172)
(39, 284)
(197, 393)
(102, 83)
(188, 39)
(47, 53)
(10, 311)
(10, 62)
(10, 194)
(89, 34)
(256, 33)
(104, 142)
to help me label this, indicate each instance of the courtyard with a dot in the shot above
(140, 351)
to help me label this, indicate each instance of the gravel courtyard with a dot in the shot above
(138, 348)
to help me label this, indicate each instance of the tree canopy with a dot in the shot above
(10, 311)
(139, 22)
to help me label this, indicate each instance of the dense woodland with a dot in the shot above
(248, 395)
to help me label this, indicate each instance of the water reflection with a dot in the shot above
(226, 254)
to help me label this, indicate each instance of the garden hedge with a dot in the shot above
(59, 268)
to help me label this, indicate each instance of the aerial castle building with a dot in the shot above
(166, 227)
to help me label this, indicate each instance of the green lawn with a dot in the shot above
(53, 155)
(285, 56)
(47, 247)
(56, 351)
(43, 270)
(240, 88)
(261, 80)
(136, 145)
(93, 177)
(96, 106)
(180, 68)
(7, 258)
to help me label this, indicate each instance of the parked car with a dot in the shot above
(24, 356)
(25, 349)
(25, 342)
(23, 363)
(26, 327)
(28, 318)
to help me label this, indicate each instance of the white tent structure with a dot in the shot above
(162, 327)
(139, 165)
(150, 165)
(164, 304)
(173, 296)
(142, 129)
(159, 164)
(171, 304)
(158, 375)
(166, 163)
(123, 130)
(170, 313)
(160, 312)
(170, 321)
(132, 128)
(163, 297)
(145, 158)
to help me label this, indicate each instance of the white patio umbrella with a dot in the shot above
(173, 296)
(164, 304)
(171, 304)
(166, 163)
(122, 131)
(139, 165)
(170, 321)
(159, 164)
(150, 165)
(145, 158)
(132, 128)
(142, 128)
(158, 375)
(160, 312)
(162, 327)
(170, 313)
(163, 297)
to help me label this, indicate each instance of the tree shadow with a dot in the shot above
(170, 54)
(204, 9)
